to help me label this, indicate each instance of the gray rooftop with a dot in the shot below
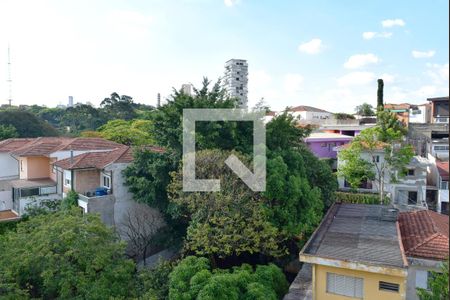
(358, 233)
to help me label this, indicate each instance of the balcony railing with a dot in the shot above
(35, 191)
(441, 120)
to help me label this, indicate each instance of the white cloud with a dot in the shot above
(230, 3)
(356, 78)
(371, 34)
(314, 46)
(439, 73)
(392, 22)
(423, 54)
(292, 83)
(360, 60)
(387, 78)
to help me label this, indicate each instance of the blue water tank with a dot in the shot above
(101, 191)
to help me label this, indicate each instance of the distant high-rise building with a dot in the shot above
(187, 88)
(158, 100)
(70, 104)
(236, 80)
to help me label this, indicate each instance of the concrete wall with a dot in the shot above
(86, 180)
(104, 206)
(371, 281)
(9, 167)
(124, 202)
(34, 167)
(416, 266)
(5, 200)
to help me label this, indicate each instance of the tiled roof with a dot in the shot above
(99, 160)
(307, 108)
(47, 145)
(13, 144)
(424, 234)
(442, 167)
(358, 233)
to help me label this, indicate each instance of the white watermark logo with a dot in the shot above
(256, 181)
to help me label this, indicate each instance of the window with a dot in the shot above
(29, 192)
(412, 198)
(444, 185)
(441, 148)
(323, 145)
(376, 159)
(388, 286)
(67, 178)
(444, 208)
(106, 181)
(410, 172)
(345, 285)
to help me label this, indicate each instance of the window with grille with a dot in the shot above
(345, 285)
(388, 286)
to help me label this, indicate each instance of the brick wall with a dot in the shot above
(86, 180)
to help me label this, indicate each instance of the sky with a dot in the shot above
(326, 54)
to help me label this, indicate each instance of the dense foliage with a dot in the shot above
(365, 110)
(7, 132)
(193, 278)
(64, 255)
(132, 133)
(26, 124)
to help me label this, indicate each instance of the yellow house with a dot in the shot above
(356, 253)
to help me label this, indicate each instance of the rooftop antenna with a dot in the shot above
(9, 80)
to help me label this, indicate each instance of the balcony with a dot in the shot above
(33, 188)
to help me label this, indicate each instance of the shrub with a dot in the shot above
(359, 198)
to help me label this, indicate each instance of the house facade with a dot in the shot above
(409, 192)
(35, 177)
(323, 144)
(309, 114)
(356, 253)
(424, 236)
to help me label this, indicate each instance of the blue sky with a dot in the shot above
(326, 54)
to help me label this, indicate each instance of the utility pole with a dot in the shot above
(9, 80)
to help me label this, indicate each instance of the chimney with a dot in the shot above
(158, 100)
(71, 157)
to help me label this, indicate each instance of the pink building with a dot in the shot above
(323, 144)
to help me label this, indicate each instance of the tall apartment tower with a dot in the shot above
(70, 103)
(236, 80)
(187, 89)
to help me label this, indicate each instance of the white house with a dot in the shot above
(406, 193)
(309, 114)
(438, 178)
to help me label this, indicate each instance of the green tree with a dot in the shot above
(380, 103)
(438, 284)
(119, 107)
(231, 222)
(64, 255)
(375, 142)
(81, 118)
(136, 132)
(71, 200)
(7, 132)
(365, 110)
(193, 278)
(343, 116)
(26, 124)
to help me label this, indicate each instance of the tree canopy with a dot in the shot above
(7, 132)
(26, 123)
(365, 110)
(135, 132)
(64, 255)
(193, 278)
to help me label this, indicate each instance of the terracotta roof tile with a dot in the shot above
(442, 169)
(424, 234)
(47, 145)
(99, 160)
(13, 144)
